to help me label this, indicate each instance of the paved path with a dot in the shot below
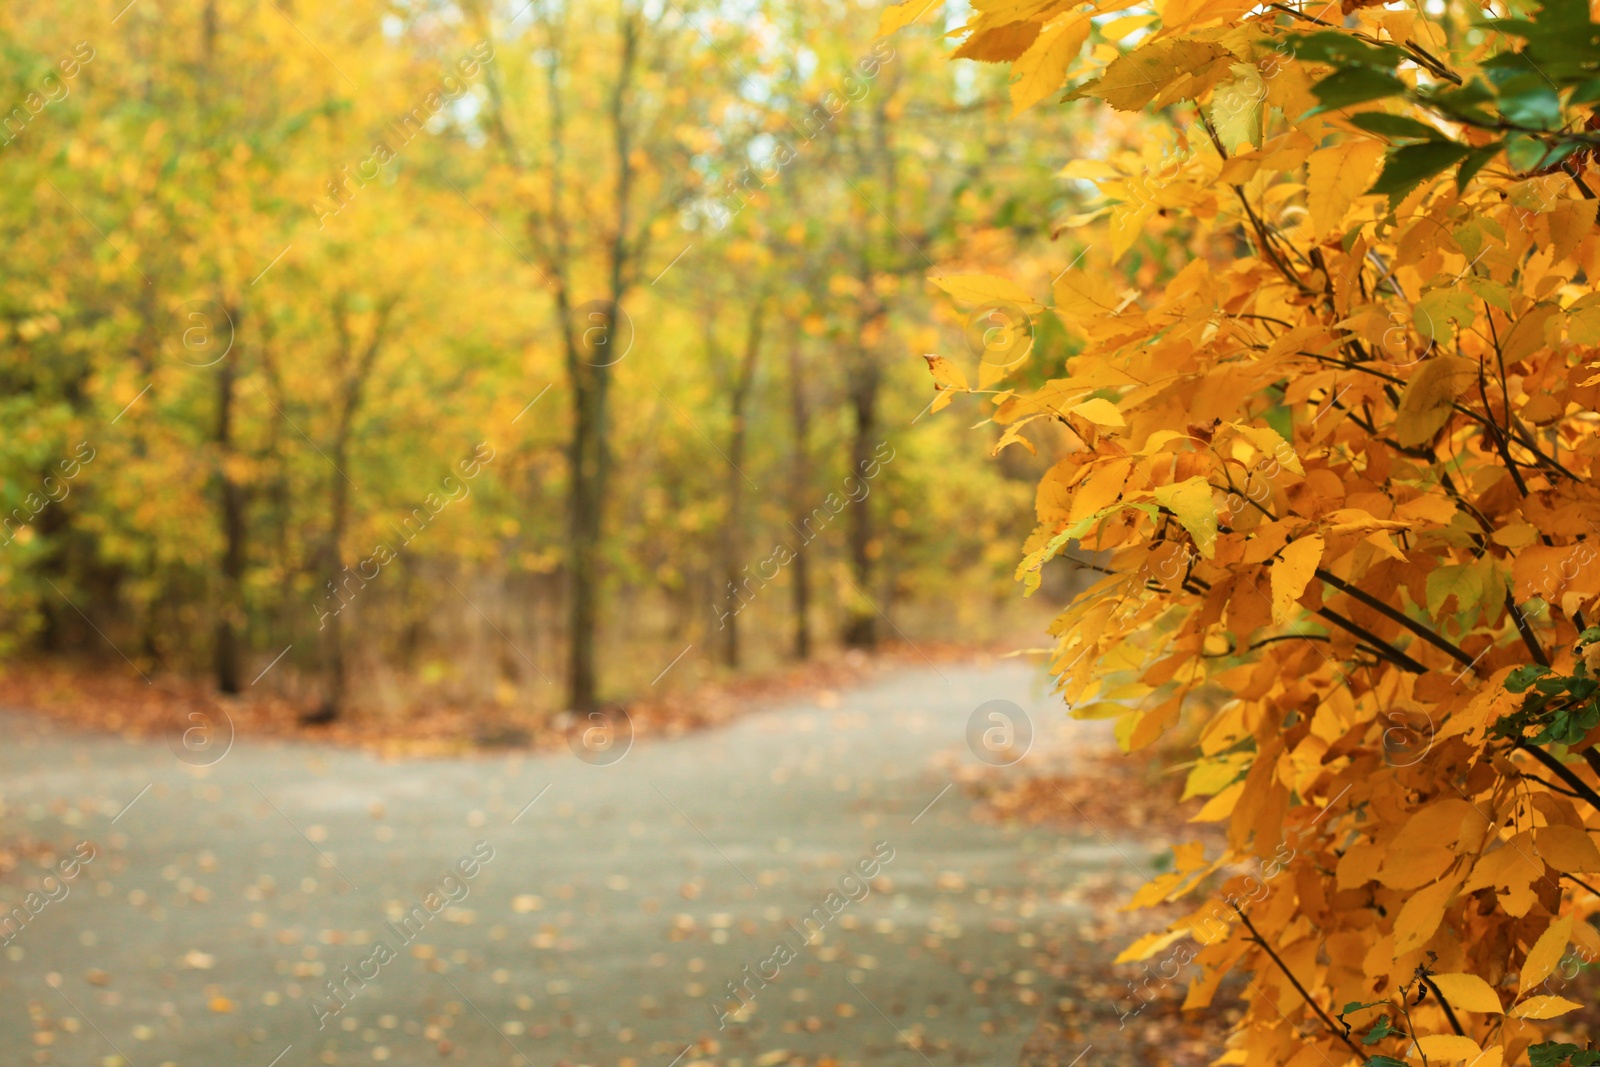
(612, 913)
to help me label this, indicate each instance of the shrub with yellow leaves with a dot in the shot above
(1339, 470)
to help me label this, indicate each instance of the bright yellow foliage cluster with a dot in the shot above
(1338, 471)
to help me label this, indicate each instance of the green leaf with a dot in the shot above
(1387, 125)
(1462, 103)
(1356, 85)
(1341, 50)
(1520, 679)
(1530, 101)
(1586, 93)
(1525, 154)
(1380, 1030)
(1475, 161)
(1406, 168)
(1433, 316)
(1550, 1053)
(1490, 292)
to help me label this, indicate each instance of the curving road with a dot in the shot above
(598, 911)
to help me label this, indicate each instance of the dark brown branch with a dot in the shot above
(1576, 881)
(1563, 790)
(1422, 56)
(1535, 649)
(1499, 434)
(1394, 615)
(1563, 772)
(1361, 367)
(1378, 644)
(1255, 935)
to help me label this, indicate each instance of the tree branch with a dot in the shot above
(1563, 772)
(1535, 649)
(1378, 644)
(1255, 935)
(1394, 615)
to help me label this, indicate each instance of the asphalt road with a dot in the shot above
(607, 910)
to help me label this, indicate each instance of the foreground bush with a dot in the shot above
(1338, 469)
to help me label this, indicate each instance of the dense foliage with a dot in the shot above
(279, 276)
(1336, 462)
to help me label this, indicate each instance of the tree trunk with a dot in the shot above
(590, 464)
(861, 620)
(354, 387)
(732, 528)
(800, 576)
(231, 513)
(589, 369)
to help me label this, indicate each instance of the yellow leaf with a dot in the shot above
(1220, 806)
(998, 44)
(1100, 709)
(1042, 69)
(1149, 945)
(1273, 447)
(1082, 297)
(1435, 510)
(1236, 107)
(1179, 14)
(1426, 403)
(1100, 488)
(1133, 80)
(1190, 501)
(1127, 223)
(946, 375)
(1545, 954)
(1448, 1048)
(1570, 222)
(1543, 1008)
(1291, 574)
(1411, 868)
(1583, 321)
(901, 15)
(1566, 848)
(985, 289)
(1012, 436)
(1211, 776)
(1120, 27)
(1420, 916)
(1468, 992)
(1527, 334)
(1336, 176)
(1099, 411)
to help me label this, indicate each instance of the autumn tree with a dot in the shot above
(1339, 461)
(627, 69)
(279, 268)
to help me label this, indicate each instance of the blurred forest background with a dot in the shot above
(310, 359)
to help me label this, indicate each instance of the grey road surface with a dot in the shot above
(580, 914)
